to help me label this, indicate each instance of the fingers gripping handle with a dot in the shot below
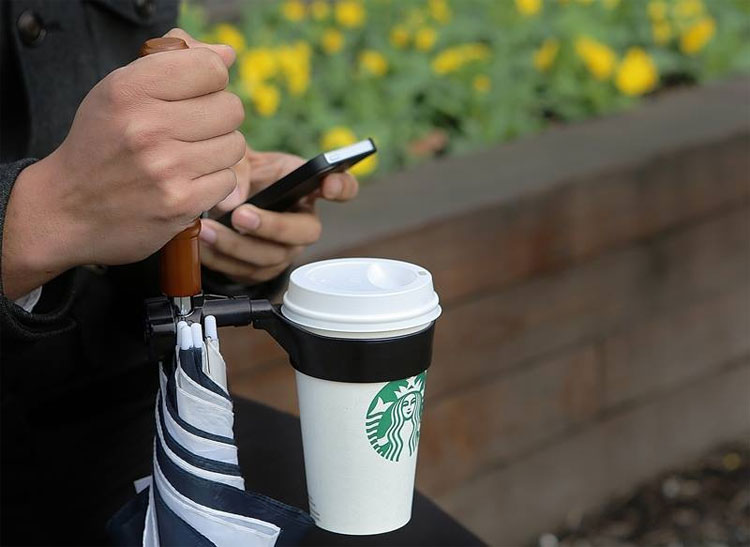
(180, 264)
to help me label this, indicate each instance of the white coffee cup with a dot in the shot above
(360, 439)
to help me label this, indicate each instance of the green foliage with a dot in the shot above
(447, 76)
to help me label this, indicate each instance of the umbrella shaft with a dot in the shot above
(183, 305)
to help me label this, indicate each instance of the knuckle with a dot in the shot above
(354, 188)
(280, 256)
(177, 32)
(236, 109)
(222, 184)
(220, 70)
(172, 201)
(315, 231)
(140, 135)
(272, 271)
(211, 62)
(280, 268)
(162, 167)
(118, 89)
(222, 207)
(295, 252)
(238, 145)
(229, 182)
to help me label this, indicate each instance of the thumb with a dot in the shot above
(226, 52)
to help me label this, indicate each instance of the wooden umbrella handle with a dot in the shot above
(180, 262)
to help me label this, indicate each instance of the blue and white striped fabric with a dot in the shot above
(196, 495)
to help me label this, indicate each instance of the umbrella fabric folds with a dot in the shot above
(196, 495)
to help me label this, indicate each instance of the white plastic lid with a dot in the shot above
(359, 295)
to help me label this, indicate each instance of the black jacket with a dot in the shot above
(77, 388)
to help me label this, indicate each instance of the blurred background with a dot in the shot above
(575, 174)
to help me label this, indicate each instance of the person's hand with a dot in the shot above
(263, 243)
(151, 146)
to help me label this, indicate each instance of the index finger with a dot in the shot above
(180, 74)
(226, 52)
(340, 187)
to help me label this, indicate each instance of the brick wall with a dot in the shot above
(596, 323)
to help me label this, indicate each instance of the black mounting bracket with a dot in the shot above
(328, 358)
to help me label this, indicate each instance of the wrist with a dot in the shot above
(37, 240)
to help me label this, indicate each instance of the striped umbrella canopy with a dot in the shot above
(196, 494)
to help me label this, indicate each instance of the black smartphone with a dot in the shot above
(285, 192)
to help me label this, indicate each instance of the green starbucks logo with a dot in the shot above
(393, 419)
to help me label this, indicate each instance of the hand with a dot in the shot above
(266, 242)
(151, 146)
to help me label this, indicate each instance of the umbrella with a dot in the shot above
(196, 494)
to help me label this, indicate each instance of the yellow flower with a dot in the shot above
(447, 61)
(256, 65)
(661, 32)
(440, 11)
(294, 61)
(453, 58)
(332, 40)
(336, 137)
(482, 83)
(528, 8)
(373, 62)
(637, 73)
(657, 10)
(425, 38)
(266, 99)
(546, 54)
(474, 51)
(611, 4)
(399, 36)
(231, 36)
(697, 35)
(598, 57)
(365, 167)
(686, 9)
(293, 10)
(339, 136)
(298, 82)
(350, 13)
(319, 9)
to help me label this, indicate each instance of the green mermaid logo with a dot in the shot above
(393, 419)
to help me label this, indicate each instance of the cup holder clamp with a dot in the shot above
(327, 358)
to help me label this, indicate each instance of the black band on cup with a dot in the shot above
(346, 359)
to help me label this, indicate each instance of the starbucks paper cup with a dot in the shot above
(360, 439)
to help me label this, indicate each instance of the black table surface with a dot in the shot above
(275, 467)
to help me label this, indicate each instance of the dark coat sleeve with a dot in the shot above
(16, 322)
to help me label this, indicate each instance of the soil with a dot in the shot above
(706, 503)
